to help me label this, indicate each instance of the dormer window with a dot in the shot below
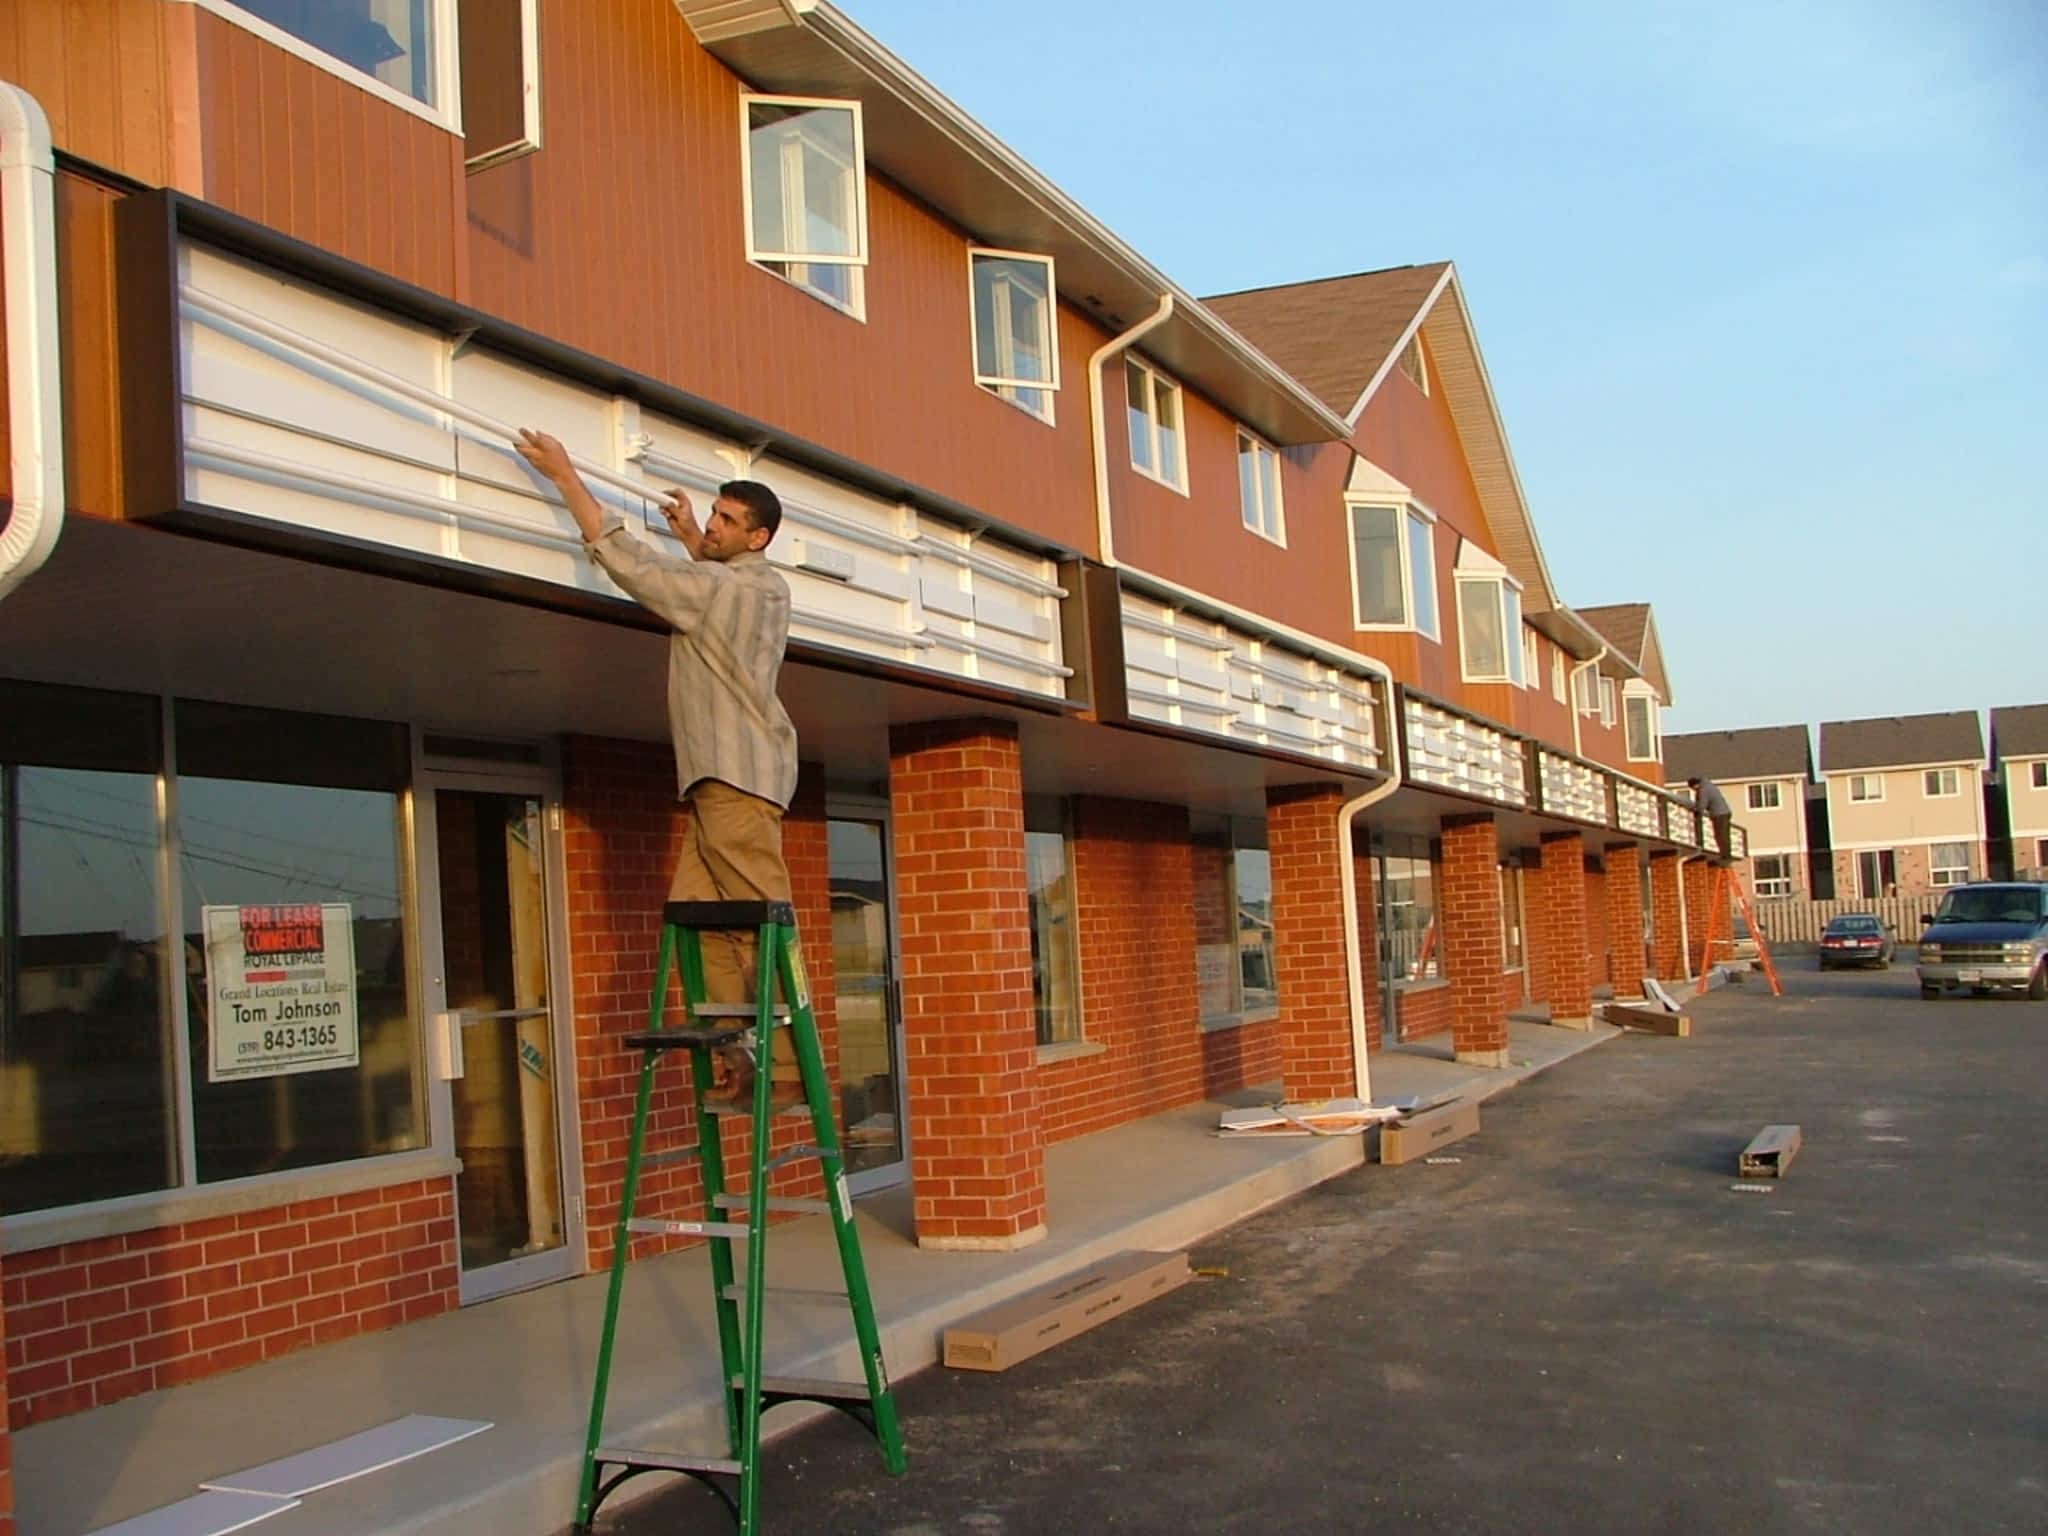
(1640, 733)
(1489, 619)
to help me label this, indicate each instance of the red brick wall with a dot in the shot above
(93, 1322)
(1624, 904)
(1427, 1012)
(622, 828)
(1317, 1060)
(1699, 912)
(1134, 883)
(1557, 928)
(956, 790)
(1667, 958)
(6, 1437)
(1468, 910)
(1240, 1056)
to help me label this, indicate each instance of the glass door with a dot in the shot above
(498, 1047)
(870, 1028)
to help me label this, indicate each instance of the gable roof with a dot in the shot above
(2019, 731)
(1900, 741)
(1632, 631)
(1342, 336)
(1762, 752)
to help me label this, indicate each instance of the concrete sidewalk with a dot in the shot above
(524, 1362)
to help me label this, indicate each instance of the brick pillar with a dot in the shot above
(1699, 907)
(1369, 946)
(1667, 917)
(6, 1441)
(1624, 894)
(956, 791)
(1557, 931)
(1316, 1056)
(1468, 915)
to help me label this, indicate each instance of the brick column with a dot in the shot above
(956, 791)
(1316, 1056)
(1667, 917)
(1557, 931)
(1468, 916)
(6, 1440)
(1699, 908)
(1624, 895)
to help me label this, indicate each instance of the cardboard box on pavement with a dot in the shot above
(1405, 1140)
(998, 1337)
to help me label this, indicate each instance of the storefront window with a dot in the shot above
(1512, 950)
(1049, 868)
(1234, 964)
(1413, 950)
(86, 1088)
(1260, 988)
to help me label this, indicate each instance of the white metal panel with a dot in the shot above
(1456, 752)
(1573, 789)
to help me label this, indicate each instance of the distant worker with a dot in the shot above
(734, 743)
(1707, 795)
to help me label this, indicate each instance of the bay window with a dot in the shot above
(1393, 568)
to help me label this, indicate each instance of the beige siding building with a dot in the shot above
(2019, 752)
(1764, 772)
(1905, 803)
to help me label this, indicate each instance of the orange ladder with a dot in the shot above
(1720, 928)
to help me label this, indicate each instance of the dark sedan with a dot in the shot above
(1855, 938)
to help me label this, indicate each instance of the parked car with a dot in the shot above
(1855, 938)
(1986, 936)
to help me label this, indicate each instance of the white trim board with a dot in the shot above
(354, 1456)
(204, 1514)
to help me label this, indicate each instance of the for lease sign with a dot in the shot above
(280, 988)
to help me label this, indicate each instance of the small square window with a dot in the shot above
(1764, 797)
(2040, 774)
(1941, 783)
(1154, 414)
(1258, 487)
(1866, 786)
(1949, 863)
(806, 195)
(1016, 348)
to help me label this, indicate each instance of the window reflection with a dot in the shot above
(1048, 860)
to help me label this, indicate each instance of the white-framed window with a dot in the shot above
(1159, 447)
(1414, 364)
(1773, 874)
(1393, 567)
(1532, 670)
(1489, 624)
(1639, 724)
(1607, 702)
(1558, 673)
(1866, 786)
(2039, 776)
(498, 59)
(1941, 783)
(1765, 797)
(401, 50)
(1258, 488)
(1055, 967)
(806, 194)
(1949, 863)
(1016, 335)
(1586, 687)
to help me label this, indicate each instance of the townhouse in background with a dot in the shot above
(1765, 772)
(1185, 701)
(1905, 803)
(1634, 688)
(2019, 771)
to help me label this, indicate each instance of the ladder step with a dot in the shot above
(727, 914)
(734, 1010)
(782, 1159)
(700, 1038)
(792, 1292)
(729, 1107)
(775, 1203)
(665, 1159)
(659, 1227)
(812, 1387)
(669, 1461)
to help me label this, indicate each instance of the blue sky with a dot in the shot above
(1763, 289)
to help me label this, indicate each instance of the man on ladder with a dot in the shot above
(735, 746)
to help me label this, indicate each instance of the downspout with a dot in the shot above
(1347, 879)
(28, 228)
(1105, 534)
(1572, 698)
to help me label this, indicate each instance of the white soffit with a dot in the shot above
(934, 150)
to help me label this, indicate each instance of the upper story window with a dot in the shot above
(1941, 783)
(1393, 568)
(806, 195)
(1607, 702)
(403, 50)
(1532, 669)
(1586, 685)
(1016, 349)
(1414, 365)
(1765, 797)
(1557, 674)
(500, 70)
(2040, 775)
(1158, 445)
(1866, 786)
(1258, 487)
(1490, 628)
(1639, 720)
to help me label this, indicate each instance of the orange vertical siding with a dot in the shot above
(99, 69)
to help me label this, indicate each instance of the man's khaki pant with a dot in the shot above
(733, 853)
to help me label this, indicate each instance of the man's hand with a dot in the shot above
(547, 455)
(682, 521)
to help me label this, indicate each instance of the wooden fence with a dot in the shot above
(1795, 920)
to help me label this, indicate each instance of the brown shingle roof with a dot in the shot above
(1901, 741)
(2019, 731)
(1335, 333)
(1624, 624)
(1764, 752)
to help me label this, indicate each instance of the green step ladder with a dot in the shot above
(736, 1476)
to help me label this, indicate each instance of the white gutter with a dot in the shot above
(35, 409)
(1347, 879)
(1105, 533)
(1571, 695)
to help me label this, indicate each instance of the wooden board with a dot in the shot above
(1654, 1021)
(1770, 1153)
(997, 1338)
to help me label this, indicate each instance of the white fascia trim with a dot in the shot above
(1393, 358)
(35, 400)
(976, 142)
(1885, 845)
(1843, 773)
(1370, 483)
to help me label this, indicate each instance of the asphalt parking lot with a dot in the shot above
(1578, 1325)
